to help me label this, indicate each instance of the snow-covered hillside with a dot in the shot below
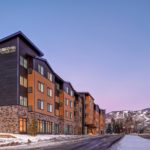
(140, 117)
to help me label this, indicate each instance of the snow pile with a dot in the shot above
(24, 139)
(130, 142)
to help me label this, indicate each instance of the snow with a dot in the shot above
(24, 139)
(132, 142)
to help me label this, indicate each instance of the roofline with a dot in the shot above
(19, 33)
(45, 60)
(86, 93)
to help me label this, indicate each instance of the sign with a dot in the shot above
(7, 50)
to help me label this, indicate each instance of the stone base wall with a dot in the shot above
(9, 119)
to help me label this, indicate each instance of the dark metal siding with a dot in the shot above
(8, 75)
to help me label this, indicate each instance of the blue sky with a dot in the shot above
(99, 46)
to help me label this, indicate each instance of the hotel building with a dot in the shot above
(35, 100)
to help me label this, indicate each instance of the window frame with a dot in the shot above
(40, 104)
(50, 108)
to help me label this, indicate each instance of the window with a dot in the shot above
(40, 104)
(66, 102)
(70, 115)
(23, 62)
(41, 126)
(66, 114)
(56, 128)
(23, 81)
(40, 69)
(49, 76)
(48, 127)
(71, 104)
(49, 92)
(67, 89)
(49, 108)
(57, 86)
(23, 101)
(71, 93)
(22, 125)
(41, 87)
(68, 129)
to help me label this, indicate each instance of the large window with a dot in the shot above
(23, 62)
(23, 101)
(41, 69)
(44, 126)
(49, 107)
(48, 127)
(40, 104)
(41, 126)
(68, 129)
(41, 87)
(23, 81)
(49, 76)
(56, 128)
(49, 92)
(22, 125)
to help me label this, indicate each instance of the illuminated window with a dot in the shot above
(41, 69)
(49, 92)
(23, 62)
(22, 125)
(67, 90)
(23, 81)
(71, 93)
(49, 76)
(41, 126)
(40, 104)
(23, 101)
(66, 102)
(49, 108)
(41, 87)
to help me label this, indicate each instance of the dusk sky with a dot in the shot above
(99, 46)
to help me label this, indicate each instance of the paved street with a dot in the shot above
(87, 144)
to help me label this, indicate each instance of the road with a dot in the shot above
(97, 143)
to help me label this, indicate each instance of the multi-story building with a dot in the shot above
(88, 115)
(34, 99)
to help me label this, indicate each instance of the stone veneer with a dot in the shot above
(9, 118)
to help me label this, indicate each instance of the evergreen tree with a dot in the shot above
(109, 128)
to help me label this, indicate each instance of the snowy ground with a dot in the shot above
(132, 142)
(16, 139)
